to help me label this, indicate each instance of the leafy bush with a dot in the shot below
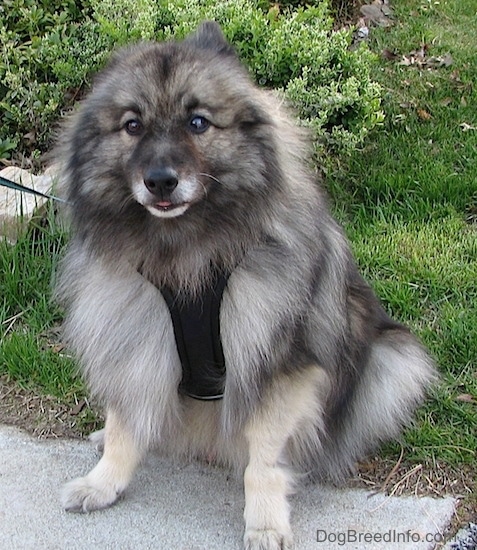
(127, 20)
(49, 50)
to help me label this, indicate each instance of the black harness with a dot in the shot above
(196, 322)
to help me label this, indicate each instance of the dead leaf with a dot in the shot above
(423, 114)
(455, 75)
(419, 58)
(389, 55)
(406, 61)
(466, 398)
(30, 137)
(422, 51)
(466, 127)
(57, 348)
(438, 62)
(78, 408)
(447, 60)
(420, 54)
(416, 57)
(446, 101)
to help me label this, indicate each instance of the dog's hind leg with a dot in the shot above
(292, 404)
(110, 477)
(398, 374)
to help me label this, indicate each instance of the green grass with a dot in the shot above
(28, 351)
(408, 201)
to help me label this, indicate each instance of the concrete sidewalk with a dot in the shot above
(192, 507)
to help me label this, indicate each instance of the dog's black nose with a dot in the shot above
(161, 181)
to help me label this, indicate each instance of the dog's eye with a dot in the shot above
(198, 124)
(133, 127)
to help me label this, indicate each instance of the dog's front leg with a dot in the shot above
(267, 523)
(110, 477)
(292, 405)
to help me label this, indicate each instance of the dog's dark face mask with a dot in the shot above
(181, 128)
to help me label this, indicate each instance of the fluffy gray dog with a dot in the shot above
(211, 299)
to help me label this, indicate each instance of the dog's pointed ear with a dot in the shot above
(209, 36)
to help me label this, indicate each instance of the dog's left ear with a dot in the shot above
(209, 36)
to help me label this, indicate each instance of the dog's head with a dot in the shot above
(171, 126)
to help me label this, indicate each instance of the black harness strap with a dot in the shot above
(196, 323)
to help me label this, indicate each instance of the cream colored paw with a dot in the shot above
(84, 495)
(267, 539)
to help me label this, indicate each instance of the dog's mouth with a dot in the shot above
(165, 202)
(167, 209)
(166, 206)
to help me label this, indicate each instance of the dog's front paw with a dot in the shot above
(85, 495)
(267, 539)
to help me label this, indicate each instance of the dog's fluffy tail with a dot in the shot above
(398, 373)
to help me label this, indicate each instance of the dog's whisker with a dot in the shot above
(211, 177)
(126, 201)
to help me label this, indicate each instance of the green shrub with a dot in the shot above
(126, 20)
(49, 49)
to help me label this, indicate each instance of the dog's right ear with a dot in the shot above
(209, 36)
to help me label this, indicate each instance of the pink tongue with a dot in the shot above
(164, 204)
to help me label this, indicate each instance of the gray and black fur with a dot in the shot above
(177, 166)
